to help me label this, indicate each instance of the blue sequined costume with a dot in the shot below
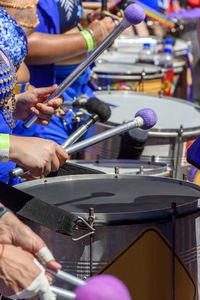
(14, 42)
(50, 23)
(12, 38)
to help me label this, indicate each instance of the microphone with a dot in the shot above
(100, 112)
(145, 119)
(100, 287)
(193, 153)
(133, 15)
(93, 106)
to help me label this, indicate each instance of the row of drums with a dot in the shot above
(122, 67)
(143, 226)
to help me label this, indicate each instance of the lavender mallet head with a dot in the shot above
(134, 14)
(103, 287)
(192, 174)
(149, 116)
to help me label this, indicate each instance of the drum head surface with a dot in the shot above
(127, 198)
(126, 69)
(171, 112)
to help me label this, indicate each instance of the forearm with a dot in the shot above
(73, 61)
(91, 5)
(45, 48)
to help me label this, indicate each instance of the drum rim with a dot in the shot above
(124, 218)
(155, 168)
(157, 69)
(125, 161)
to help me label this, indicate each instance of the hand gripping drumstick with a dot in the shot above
(144, 119)
(133, 15)
(101, 287)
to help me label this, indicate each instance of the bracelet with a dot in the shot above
(3, 210)
(4, 147)
(92, 35)
(88, 38)
(89, 17)
(92, 15)
(2, 250)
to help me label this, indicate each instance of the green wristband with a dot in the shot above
(88, 38)
(4, 147)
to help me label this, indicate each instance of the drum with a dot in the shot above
(178, 125)
(126, 166)
(134, 44)
(122, 207)
(113, 57)
(139, 77)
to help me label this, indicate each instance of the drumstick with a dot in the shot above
(133, 15)
(144, 119)
(104, 287)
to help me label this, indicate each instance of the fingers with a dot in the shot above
(44, 111)
(44, 255)
(40, 286)
(42, 92)
(61, 154)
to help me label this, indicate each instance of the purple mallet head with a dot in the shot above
(103, 287)
(134, 14)
(149, 116)
(192, 174)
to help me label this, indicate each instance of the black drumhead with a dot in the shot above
(125, 198)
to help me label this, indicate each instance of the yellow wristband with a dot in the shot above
(4, 147)
(88, 38)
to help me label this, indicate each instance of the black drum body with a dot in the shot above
(123, 206)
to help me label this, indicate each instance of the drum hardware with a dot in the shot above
(178, 156)
(82, 223)
(91, 220)
(173, 207)
(141, 171)
(133, 15)
(143, 74)
(116, 172)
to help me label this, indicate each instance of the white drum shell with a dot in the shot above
(178, 125)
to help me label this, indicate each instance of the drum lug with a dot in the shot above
(89, 227)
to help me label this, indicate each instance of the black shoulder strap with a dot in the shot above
(36, 210)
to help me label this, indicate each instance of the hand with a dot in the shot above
(14, 232)
(40, 156)
(176, 6)
(111, 7)
(30, 103)
(21, 274)
(101, 28)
